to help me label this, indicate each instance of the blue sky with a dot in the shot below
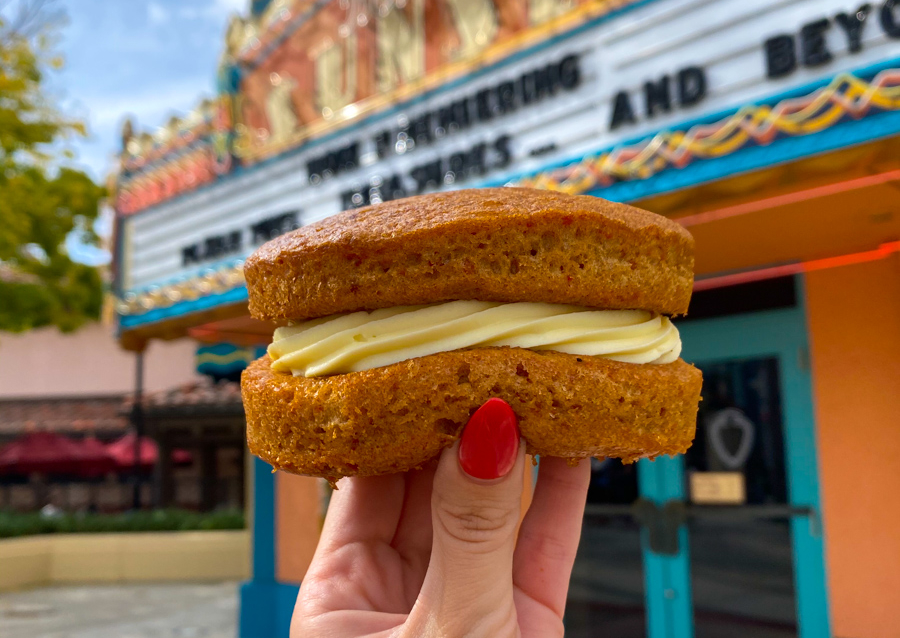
(148, 58)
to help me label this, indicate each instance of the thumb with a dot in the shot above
(475, 510)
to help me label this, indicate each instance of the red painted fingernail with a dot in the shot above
(490, 441)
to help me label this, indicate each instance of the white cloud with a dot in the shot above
(149, 107)
(216, 10)
(236, 6)
(157, 14)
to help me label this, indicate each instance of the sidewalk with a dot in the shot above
(121, 611)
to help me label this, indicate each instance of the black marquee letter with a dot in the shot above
(484, 105)
(813, 47)
(420, 129)
(658, 96)
(852, 24)
(189, 255)
(393, 188)
(454, 117)
(501, 147)
(506, 97)
(476, 163)
(623, 113)
(235, 239)
(569, 73)
(691, 85)
(781, 56)
(889, 20)
(545, 81)
(427, 175)
(347, 157)
(383, 144)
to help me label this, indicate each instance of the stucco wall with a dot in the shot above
(46, 362)
(854, 316)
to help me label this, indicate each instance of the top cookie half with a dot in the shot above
(496, 244)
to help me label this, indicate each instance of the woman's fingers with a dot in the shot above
(475, 506)
(363, 509)
(413, 537)
(549, 535)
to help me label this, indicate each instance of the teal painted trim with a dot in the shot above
(752, 335)
(263, 522)
(213, 369)
(844, 135)
(181, 308)
(221, 349)
(810, 574)
(667, 579)
(225, 348)
(236, 364)
(782, 334)
(265, 609)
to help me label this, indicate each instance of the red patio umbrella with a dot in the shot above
(52, 453)
(101, 461)
(122, 450)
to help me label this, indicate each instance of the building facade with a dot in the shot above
(191, 403)
(769, 129)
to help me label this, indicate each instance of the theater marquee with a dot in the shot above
(427, 95)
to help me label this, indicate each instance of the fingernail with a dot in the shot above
(490, 441)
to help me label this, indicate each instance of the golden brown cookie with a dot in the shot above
(502, 244)
(498, 244)
(398, 417)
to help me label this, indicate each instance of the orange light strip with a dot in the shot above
(790, 198)
(883, 251)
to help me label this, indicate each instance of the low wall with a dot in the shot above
(124, 557)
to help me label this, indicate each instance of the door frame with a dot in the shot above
(781, 334)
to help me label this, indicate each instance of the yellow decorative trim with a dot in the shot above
(211, 283)
(846, 95)
(244, 354)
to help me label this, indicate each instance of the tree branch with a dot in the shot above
(30, 17)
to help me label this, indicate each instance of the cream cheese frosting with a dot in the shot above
(363, 340)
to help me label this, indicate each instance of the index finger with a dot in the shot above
(365, 509)
(551, 529)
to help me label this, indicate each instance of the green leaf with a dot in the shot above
(40, 206)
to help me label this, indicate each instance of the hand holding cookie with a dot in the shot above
(473, 327)
(434, 552)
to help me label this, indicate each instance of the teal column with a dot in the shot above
(265, 604)
(810, 576)
(667, 579)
